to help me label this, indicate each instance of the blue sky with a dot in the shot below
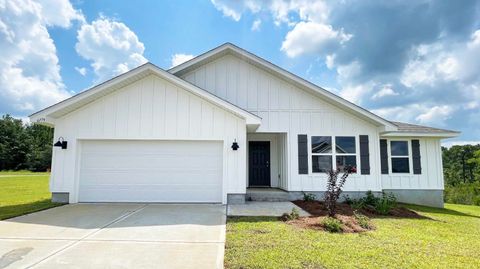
(412, 61)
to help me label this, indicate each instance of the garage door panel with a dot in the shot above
(148, 194)
(115, 178)
(171, 162)
(151, 171)
(174, 147)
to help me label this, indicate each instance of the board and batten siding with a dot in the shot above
(285, 108)
(149, 109)
(431, 177)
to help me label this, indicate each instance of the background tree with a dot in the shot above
(459, 164)
(39, 157)
(461, 169)
(24, 146)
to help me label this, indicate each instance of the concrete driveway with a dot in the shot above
(116, 236)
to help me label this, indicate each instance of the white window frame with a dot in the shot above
(333, 154)
(409, 156)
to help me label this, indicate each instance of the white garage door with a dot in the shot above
(150, 171)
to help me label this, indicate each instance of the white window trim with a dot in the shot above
(333, 154)
(389, 151)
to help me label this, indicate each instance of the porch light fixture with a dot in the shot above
(61, 143)
(235, 145)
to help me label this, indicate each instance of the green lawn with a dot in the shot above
(449, 239)
(23, 192)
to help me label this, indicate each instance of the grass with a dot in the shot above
(23, 192)
(450, 238)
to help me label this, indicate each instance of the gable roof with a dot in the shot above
(48, 115)
(267, 66)
(407, 129)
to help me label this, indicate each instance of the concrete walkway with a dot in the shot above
(116, 236)
(271, 209)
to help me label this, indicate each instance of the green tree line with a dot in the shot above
(24, 146)
(461, 170)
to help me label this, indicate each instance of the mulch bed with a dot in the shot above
(317, 208)
(345, 213)
(350, 224)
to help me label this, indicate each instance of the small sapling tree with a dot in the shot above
(334, 188)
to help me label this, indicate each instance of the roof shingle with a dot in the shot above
(413, 128)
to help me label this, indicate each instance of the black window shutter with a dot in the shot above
(364, 155)
(417, 166)
(302, 154)
(383, 156)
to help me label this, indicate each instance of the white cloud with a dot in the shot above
(180, 58)
(430, 65)
(256, 25)
(111, 46)
(330, 61)
(307, 10)
(310, 34)
(348, 71)
(435, 115)
(403, 113)
(422, 113)
(438, 63)
(384, 92)
(60, 13)
(235, 8)
(311, 37)
(280, 10)
(29, 68)
(355, 93)
(81, 70)
(449, 143)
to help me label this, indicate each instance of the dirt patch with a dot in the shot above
(349, 223)
(346, 215)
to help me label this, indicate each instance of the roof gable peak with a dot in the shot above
(229, 48)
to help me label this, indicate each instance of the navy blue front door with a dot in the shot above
(259, 164)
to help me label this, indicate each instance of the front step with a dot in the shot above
(267, 195)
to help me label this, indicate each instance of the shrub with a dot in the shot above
(384, 204)
(370, 199)
(466, 193)
(348, 200)
(362, 220)
(295, 214)
(308, 197)
(358, 204)
(332, 225)
(476, 200)
(381, 205)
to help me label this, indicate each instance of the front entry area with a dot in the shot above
(267, 160)
(259, 164)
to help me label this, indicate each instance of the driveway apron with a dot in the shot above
(116, 236)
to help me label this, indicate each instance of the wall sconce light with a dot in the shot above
(235, 145)
(61, 143)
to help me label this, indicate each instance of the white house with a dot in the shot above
(151, 135)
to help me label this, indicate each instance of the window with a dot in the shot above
(399, 156)
(345, 152)
(323, 153)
